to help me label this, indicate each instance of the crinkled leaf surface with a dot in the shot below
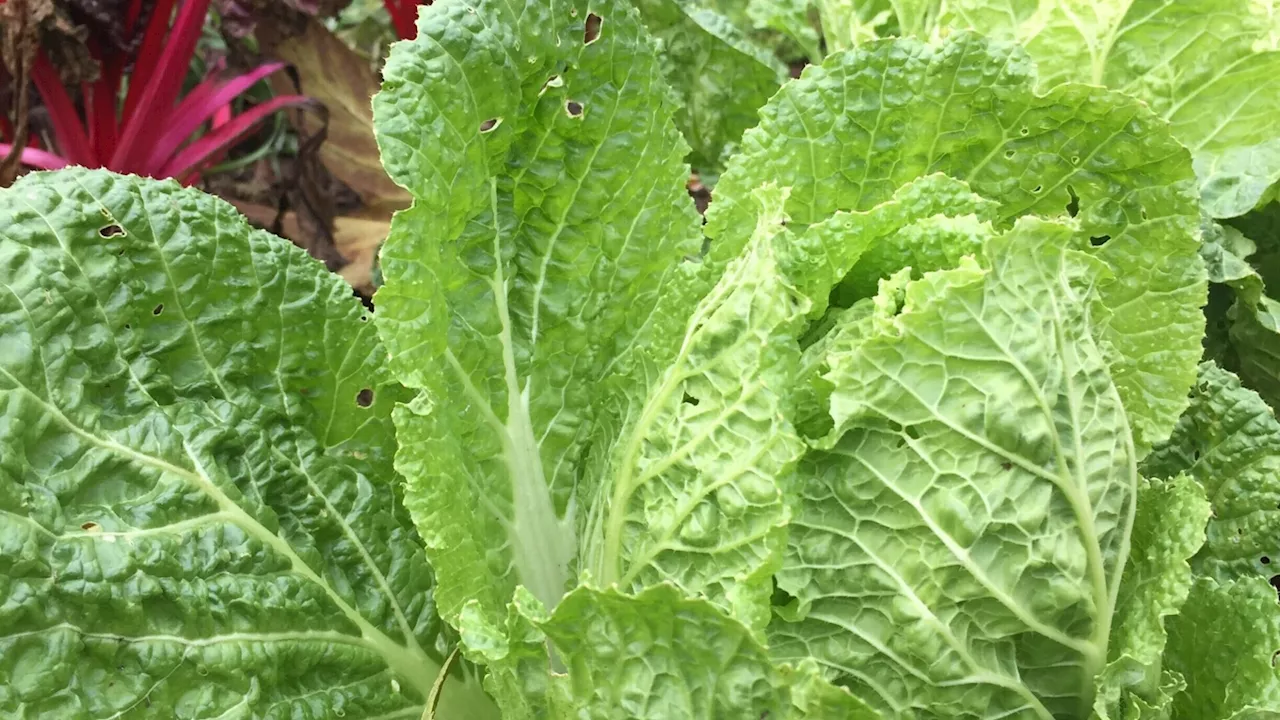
(655, 654)
(590, 400)
(814, 697)
(959, 538)
(854, 250)
(1229, 440)
(790, 18)
(1209, 67)
(933, 243)
(198, 513)
(1232, 281)
(1069, 39)
(852, 131)
(1255, 339)
(849, 23)
(721, 76)
(546, 226)
(1243, 329)
(1225, 253)
(780, 25)
(514, 652)
(1168, 529)
(1224, 641)
(908, 230)
(691, 494)
(660, 654)
(1262, 225)
(914, 16)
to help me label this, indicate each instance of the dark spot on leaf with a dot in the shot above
(1025, 130)
(913, 432)
(88, 526)
(1073, 207)
(158, 309)
(1006, 465)
(700, 193)
(1010, 154)
(127, 326)
(111, 230)
(364, 398)
(1275, 655)
(1099, 240)
(489, 125)
(573, 108)
(1275, 582)
(1265, 560)
(690, 400)
(1195, 455)
(1036, 190)
(121, 252)
(364, 318)
(592, 31)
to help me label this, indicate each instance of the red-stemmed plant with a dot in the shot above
(404, 16)
(150, 129)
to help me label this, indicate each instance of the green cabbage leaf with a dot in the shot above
(198, 514)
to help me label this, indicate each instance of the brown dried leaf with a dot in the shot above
(331, 72)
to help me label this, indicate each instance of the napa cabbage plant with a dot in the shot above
(1208, 67)
(914, 426)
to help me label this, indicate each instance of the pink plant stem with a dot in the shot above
(73, 143)
(199, 152)
(32, 157)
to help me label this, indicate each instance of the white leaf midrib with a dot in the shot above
(541, 550)
(301, 636)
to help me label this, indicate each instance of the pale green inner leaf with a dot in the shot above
(959, 544)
